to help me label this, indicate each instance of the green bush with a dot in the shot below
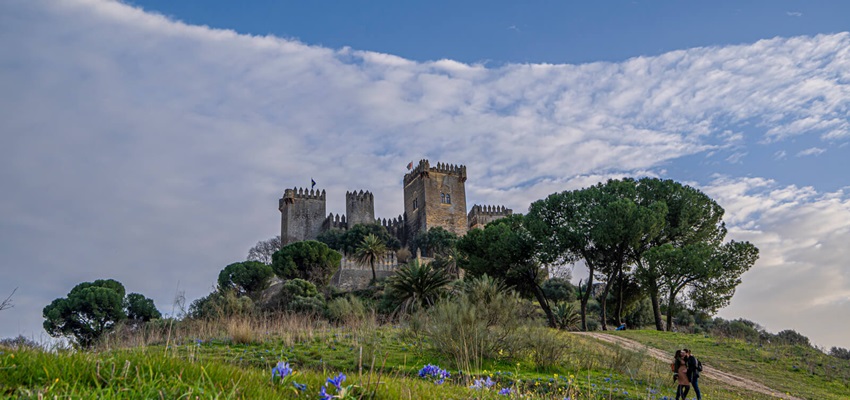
(346, 309)
(567, 316)
(221, 304)
(545, 347)
(474, 325)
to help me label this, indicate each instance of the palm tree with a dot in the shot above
(417, 285)
(370, 250)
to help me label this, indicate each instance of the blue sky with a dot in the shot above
(149, 142)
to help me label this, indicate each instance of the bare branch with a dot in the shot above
(6, 304)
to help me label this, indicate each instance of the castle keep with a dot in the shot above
(433, 196)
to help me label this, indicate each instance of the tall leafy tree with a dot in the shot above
(712, 270)
(140, 308)
(309, 260)
(506, 250)
(245, 277)
(90, 310)
(562, 226)
(690, 217)
(370, 250)
(437, 242)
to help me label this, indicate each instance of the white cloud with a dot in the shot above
(799, 281)
(154, 152)
(794, 13)
(812, 151)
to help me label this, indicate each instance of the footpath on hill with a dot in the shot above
(707, 372)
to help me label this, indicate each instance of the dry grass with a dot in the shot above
(286, 327)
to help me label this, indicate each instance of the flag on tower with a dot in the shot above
(410, 166)
(313, 182)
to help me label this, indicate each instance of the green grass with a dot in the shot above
(218, 367)
(798, 370)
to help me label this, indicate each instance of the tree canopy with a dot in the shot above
(92, 309)
(309, 260)
(347, 241)
(505, 250)
(370, 250)
(436, 242)
(245, 277)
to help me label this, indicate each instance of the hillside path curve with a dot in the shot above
(708, 372)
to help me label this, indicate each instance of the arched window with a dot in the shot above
(443, 198)
(448, 198)
(414, 204)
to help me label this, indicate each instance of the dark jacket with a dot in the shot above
(693, 370)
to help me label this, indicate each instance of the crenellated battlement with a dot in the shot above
(334, 221)
(303, 193)
(359, 196)
(424, 168)
(480, 215)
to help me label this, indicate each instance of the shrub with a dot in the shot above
(544, 347)
(559, 290)
(416, 286)
(474, 325)
(297, 295)
(792, 337)
(840, 352)
(346, 309)
(567, 316)
(221, 304)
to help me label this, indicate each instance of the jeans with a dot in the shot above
(695, 384)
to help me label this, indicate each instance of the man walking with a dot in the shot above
(694, 368)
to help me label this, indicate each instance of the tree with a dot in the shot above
(506, 250)
(140, 308)
(689, 216)
(245, 277)
(437, 242)
(349, 240)
(309, 260)
(264, 249)
(713, 270)
(371, 249)
(90, 310)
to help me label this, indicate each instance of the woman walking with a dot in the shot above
(681, 368)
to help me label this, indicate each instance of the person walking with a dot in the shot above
(681, 367)
(694, 368)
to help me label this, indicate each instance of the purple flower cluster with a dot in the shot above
(482, 383)
(282, 369)
(506, 392)
(435, 373)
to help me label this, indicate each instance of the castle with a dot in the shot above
(433, 196)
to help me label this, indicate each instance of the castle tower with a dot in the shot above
(435, 196)
(302, 213)
(480, 215)
(359, 208)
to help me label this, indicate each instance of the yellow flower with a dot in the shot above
(556, 376)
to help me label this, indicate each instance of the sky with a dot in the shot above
(150, 141)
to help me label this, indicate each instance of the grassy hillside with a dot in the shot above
(799, 370)
(230, 359)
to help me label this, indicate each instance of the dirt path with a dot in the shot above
(707, 373)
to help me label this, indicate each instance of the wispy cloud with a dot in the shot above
(780, 155)
(812, 151)
(794, 13)
(138, 146)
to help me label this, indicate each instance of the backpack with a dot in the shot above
(699, 365)
(673, 367)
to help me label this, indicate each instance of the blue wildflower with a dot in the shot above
(337, 382)
(482, 383)
(323, 394)
(282, 369)
(300, 386)
(506, 392)
(431, 371)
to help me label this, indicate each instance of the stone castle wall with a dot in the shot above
(302, 213)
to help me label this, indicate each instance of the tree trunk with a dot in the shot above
(544, 304)
(604, 314)
(374, 276)
(584, 300)
(656, 307)
(620, 296)
(670, 302)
